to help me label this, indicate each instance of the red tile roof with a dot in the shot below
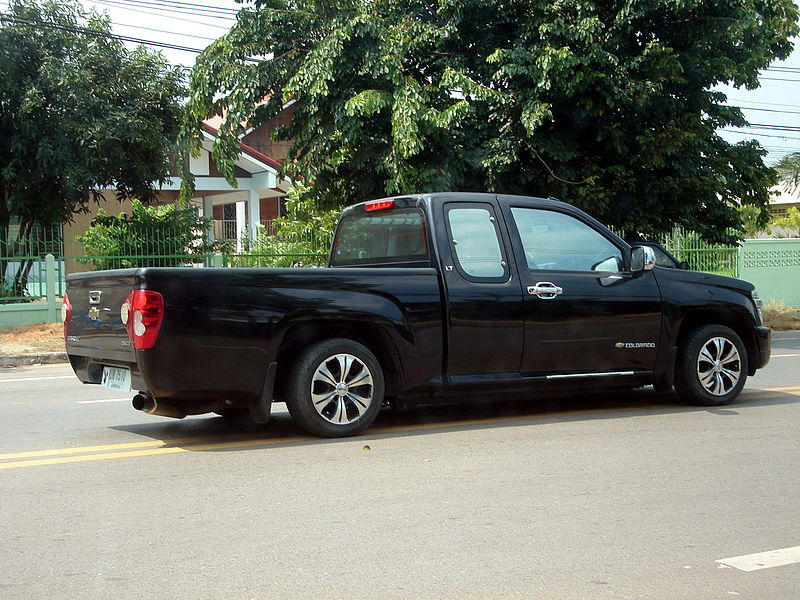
(250, 151)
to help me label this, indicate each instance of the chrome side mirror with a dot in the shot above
(643, 258)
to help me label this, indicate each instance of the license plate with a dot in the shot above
(116, 378)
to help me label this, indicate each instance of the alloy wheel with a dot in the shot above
(719, 366)
(342, 389)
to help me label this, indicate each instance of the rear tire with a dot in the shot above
(712, 366)
(336, 389)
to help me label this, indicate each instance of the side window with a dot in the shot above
(553, 241)
(476, 243)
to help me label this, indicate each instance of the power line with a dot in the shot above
(752, 133)
(221, 14)
(774, 127)
(112, 4)
(783, 112)
(93, 33)
(778, 79)
(764, 103)
(101, 34)
(185, 5)
(783, 69)
(186, 35)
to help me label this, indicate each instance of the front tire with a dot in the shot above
(712, 366)
(336, 389)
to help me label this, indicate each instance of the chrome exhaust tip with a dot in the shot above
(148, 404)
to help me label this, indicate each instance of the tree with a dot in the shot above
(609, 104)
(791, 222)
(754, 221)
(151, 236)
(788, 168)
(78, 113)
(299, 239)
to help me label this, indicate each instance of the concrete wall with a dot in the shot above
(81, 222)
(46, 310)
(774, 267)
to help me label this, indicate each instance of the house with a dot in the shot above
(235, 210)
(780, 204)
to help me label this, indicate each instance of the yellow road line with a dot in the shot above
(181, 445)
(124, 446)
(152, 452)
(780, 389)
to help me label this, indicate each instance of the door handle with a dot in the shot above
(545, 290)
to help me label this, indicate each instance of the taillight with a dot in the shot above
(142, 314)
(66, 313)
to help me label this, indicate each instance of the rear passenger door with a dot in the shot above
(586, 314)
(483, 298)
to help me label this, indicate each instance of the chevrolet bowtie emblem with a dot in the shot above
(94, 312)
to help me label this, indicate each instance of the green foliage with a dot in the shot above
(78, 113)
(788, 168)
(607, 104)
(150, 236)
(755, 220)
(791, 222)
(300, 239)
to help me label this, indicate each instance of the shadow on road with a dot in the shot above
(206, 433)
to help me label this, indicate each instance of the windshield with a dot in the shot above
(385, 237)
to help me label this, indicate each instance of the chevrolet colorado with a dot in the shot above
(426, 297)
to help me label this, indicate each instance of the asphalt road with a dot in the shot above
(622, 496)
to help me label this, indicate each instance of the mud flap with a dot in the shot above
(260, 409)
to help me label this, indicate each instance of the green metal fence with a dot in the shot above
(39, 241)
(303, 259)
(701, 256)
(23, 259)
(34, 284)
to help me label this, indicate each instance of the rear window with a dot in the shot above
(385, 237)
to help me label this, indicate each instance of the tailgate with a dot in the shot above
(95, 328)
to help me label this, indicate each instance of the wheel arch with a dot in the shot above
(739, 321)
(377, 339)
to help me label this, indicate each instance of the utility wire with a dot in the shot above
(751, 133)
(774, 127)
(184, 5)
(185, 35)
(771, 110)
(763, 103)
(778, 79)
(154, 6)
(111, 4)
(101, 34)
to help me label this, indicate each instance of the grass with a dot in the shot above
(779, 315)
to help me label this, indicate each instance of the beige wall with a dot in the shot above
(82, 221)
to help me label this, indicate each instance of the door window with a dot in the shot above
(554, 241)
(476, 243)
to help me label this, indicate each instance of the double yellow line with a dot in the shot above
(132, 449)
(60, 456)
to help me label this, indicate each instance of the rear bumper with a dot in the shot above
(763, 348)
(90, 370)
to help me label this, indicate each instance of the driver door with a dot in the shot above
(584, 313)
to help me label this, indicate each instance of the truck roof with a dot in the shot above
(439, 197)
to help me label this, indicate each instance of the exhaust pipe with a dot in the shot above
(149, 405)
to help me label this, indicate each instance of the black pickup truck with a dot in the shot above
(426, 298)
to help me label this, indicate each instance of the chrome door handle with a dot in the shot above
(545, 290)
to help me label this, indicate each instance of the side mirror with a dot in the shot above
(643, 258)
(683, 266)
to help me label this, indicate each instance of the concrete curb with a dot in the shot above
(37, 358)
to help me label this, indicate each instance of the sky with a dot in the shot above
(773, 109)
